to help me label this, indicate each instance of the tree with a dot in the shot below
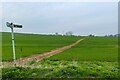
(69, 33)
(56, 33)
(106, 36)
(91, 35)
(111, 35)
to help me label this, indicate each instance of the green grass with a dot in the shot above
(0, 46)
(29, 44)
(91, 49)
(64, 69)
(94, 57)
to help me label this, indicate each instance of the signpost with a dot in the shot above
(11, 25)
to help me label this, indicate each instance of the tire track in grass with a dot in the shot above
(39, 57)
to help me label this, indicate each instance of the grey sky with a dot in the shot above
(83, 18)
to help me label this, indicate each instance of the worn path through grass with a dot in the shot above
(39, 57)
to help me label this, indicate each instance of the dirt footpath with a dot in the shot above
(39, 57)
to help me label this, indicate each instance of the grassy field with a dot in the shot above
(91, 49)
(29, 44)
(94, 57)
(64, 69)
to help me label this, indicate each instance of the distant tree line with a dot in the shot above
(116, 35)
(111, 35)
(70, 33)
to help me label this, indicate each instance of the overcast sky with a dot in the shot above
(82, 18)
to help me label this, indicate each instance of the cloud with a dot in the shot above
(59, 0)
(45, 17)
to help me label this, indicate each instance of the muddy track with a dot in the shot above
(39, 57)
